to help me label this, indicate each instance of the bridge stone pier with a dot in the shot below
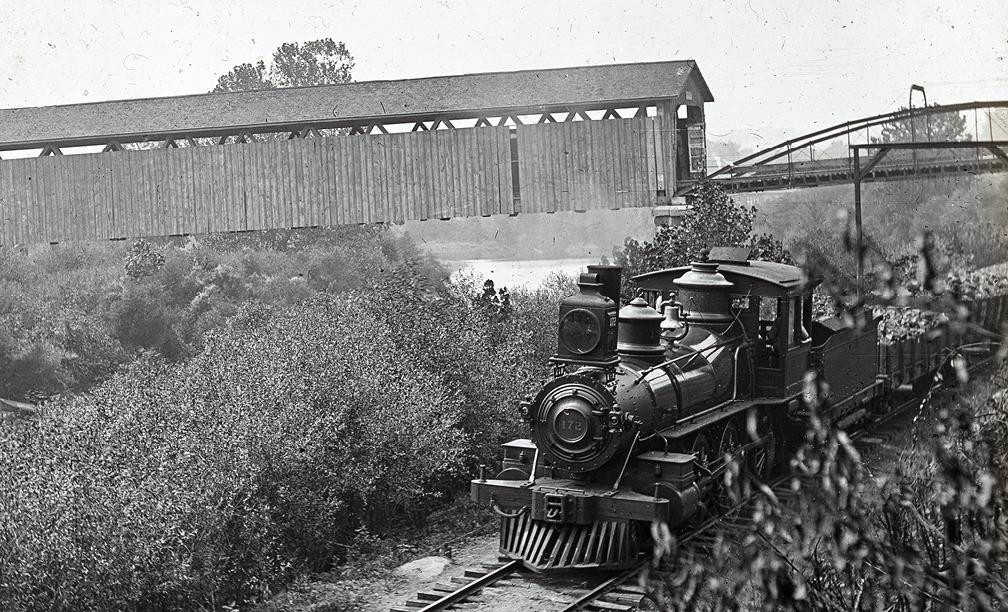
(535, 141)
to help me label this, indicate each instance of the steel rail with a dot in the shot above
(604, 588)
(466, 590)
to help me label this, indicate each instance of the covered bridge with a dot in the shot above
(368, 152)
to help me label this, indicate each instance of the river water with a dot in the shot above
(514, 272)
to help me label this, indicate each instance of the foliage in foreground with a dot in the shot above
(930, 535)
(295, 427)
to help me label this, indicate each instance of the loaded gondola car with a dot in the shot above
(648, 407)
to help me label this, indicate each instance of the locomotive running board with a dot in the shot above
(696, 422)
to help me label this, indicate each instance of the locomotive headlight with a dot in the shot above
(580, 331)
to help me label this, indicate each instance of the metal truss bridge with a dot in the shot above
(905, 144)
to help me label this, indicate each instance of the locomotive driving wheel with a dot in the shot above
(726, 491)
(762, 457)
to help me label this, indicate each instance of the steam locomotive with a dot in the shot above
(649, 406)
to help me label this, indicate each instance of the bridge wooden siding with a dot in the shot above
(388, 178)
(543, 141)
(599, 164)
(281, 183)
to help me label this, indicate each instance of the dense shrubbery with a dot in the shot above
(291, 428)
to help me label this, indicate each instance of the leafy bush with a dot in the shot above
(56, 301)
(294, 428)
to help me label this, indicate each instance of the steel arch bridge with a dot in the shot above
(792, 164)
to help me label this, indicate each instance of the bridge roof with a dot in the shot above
(406, 100)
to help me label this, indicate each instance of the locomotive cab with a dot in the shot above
(770, 302)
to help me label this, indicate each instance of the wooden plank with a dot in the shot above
(8, 218)
(309, 168)
(207, 188)
(324, 185)
(95, 189)
(56, 199)
(470, 159)
(507, 177)
(561, 186)
(146, 185)
(449, 175)
(252, 185)
(367, 182)
(84, 200)
(327, 186)
(228, 200)
(402, 178)
(295, 182)
(11, 204)
(159, 211)
(649, 156)
(361, 204)
(350, 179)
(530, 169)
(79, 202)
(136, 186)
(344, 191)
(310, 182)
(462, 152)
(529, 162)
(20, 175)
(375, 183)
(43, 183)
(418, 154)
(355, 172)
(385, 166)
(621, 163)
(118, 164)
(286, 178)
(9, 211)
(216, 188)
(55, 189)
(558, 179)
(605, 141)
(483, 171)
(437, 192)
(277, 211)
(428, 153)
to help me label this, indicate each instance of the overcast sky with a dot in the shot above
(770, 65)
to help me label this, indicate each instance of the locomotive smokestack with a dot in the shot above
(609, 276)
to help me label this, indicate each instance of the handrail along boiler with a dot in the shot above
(647, 407)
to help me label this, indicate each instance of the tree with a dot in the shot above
(315, 62)
(933, 127)
(713, 219)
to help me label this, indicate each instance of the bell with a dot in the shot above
(673, 328)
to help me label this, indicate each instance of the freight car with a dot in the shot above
(648, 407)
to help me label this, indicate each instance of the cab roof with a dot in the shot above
(754, 277)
